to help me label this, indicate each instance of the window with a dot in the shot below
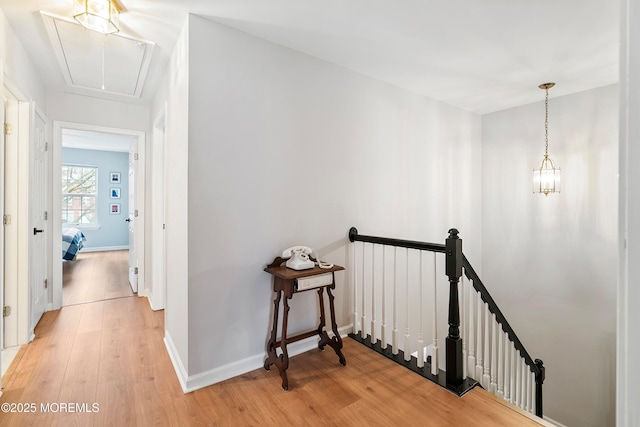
(79, 194)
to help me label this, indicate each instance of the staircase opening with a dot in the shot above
(423, 306)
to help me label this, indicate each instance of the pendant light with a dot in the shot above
(98, 15)
(546, 177)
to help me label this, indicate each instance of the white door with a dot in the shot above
(131, 219)
(37, 207)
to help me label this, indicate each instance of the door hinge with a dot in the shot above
(6, 219)
(135, 213)
(6, 311)
(135, 270)
(46, 146)
(7, 128)
(135, 156)
(46, 283)
(46, 215)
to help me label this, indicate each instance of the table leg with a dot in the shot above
(284, 357)
(282, 361)
(336, 341)
(271, 348)
(324, 338)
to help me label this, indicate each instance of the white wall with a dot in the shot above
(174, 90)
(287, 149)
(550, 262)
(89, 110)
(18, 67)
(628, 346)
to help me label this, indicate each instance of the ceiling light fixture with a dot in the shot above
(102, 16)
(546, 177)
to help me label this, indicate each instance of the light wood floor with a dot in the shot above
(111, 353)
(96, 276)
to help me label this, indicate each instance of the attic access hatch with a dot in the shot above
(113, 63)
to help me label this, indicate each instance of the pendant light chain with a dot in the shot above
(103, 65)
(546, 123)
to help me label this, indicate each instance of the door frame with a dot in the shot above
(56, 214)
(157, 284)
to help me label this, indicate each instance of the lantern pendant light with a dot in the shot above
(546, 177)
(98, 15)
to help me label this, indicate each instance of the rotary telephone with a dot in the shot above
(299, 258)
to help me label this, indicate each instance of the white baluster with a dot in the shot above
(356, 324)
(486, 377)
(527, 394)
(373, 294)
(501, 365)
(420, 327)
(493, 387)
(518, 380)
(512, 362)
(523, 384)
(471, 357)
(383, 333)
(463, 329)
(479, 340)
(434, 356)
(532, 392)
(407, 333)
(394, 333)
(507, 368)
(363, 321)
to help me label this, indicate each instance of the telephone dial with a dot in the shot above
(299, 258)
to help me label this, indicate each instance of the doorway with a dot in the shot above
(112, 213)
(96, 198)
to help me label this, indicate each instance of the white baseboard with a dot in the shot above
(152, 302)
(149, 296)
(143, 293)
(181, 372)
(105, 248)
(554, 422)
(213, 376)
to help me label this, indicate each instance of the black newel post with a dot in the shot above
(453, 247)
(539, 380)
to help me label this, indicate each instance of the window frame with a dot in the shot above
(90, 225)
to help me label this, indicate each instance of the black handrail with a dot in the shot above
(536, 366)
(410, 244)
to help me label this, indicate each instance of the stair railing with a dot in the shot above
(481, 347)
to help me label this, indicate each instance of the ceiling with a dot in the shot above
(478, 55)
(101, 141)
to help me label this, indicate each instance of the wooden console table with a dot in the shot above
(286, 281)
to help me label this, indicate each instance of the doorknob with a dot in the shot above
(128, 219)
(36, 231)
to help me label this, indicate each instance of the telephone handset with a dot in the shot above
(299, 258)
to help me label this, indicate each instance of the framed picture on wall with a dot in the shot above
(114, 193)
(114, 208)
(114, 177)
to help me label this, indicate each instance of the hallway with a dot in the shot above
(95, 276)
(107, 359)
